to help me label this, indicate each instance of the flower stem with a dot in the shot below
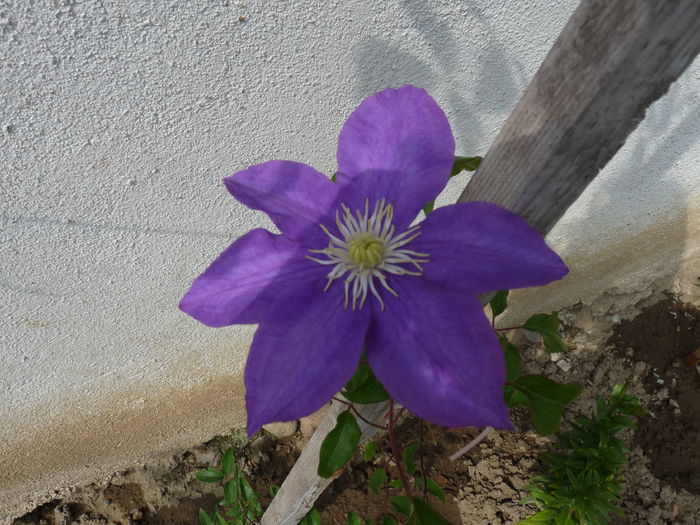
(357, 413)
(396, 452)
(508, 328)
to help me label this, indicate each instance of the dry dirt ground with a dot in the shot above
(485, 486)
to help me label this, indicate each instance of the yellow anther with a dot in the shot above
(366, 250)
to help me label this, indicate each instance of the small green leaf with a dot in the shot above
(204, 518)
(435, 490)
(465, 164)
(402, 505)
(408, 454)
(235, 513)
(312, 518)
(377, 480)
(389, 520)
(499, 303)
(219, 520)
(546, 400)
(396, 484)
(513, 362)
(364, 387)
(513, 397)
(227, 462)
(273, 490)
(424, 514)
(354, 519)
(547, 325)
(247, 490)
(209, 475)
(370, 450)
(460, 164)
(334, 177)
(231, 492)
(340, 445)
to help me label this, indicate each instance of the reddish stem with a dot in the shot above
(352, 407)
(396, 452)
(508, 328)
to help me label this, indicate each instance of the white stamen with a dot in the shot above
(375, 252)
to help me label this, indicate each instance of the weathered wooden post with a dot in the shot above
(611, 61)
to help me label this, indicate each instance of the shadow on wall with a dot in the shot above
(638, 208)
(379, 64)
(637, 203)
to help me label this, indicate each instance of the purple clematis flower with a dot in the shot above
(349, 270)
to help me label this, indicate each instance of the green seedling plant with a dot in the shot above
(241, 504)
(581, 484)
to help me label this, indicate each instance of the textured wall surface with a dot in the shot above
(118, 120)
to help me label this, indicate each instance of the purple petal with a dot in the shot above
(437, 355)
(250, 277)
(295, 196)
(480, 247)
(302, 357)
(405, 136)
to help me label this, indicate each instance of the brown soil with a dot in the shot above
(661, 337)
(484, 486)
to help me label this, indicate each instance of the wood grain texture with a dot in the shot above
(303, 485)
(611, 61)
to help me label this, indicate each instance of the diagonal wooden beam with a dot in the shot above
(611, 61)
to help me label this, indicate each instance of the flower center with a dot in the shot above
(368, 251)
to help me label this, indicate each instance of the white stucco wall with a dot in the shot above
(118, 120)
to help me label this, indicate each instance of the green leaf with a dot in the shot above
(227, 462)
(432, 487)
(424, 514)
(546, 400)
(435, 490)
(513, 362)
(377, 480)
(499, 303)
(513, 397)
(547, 325)
(340, 445)
(389, 520)
(465, 164)
(429, 208)
(273, 490)
(219, 520)
(312, 518)
(204, 518)
(402, 505)
(247, 490)
(396, 484)
(408, 454)
(231, 492)
(334, 177)
(354, 519)
(209, 475)
(544, 516)
(370, 450)
(364, 387)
